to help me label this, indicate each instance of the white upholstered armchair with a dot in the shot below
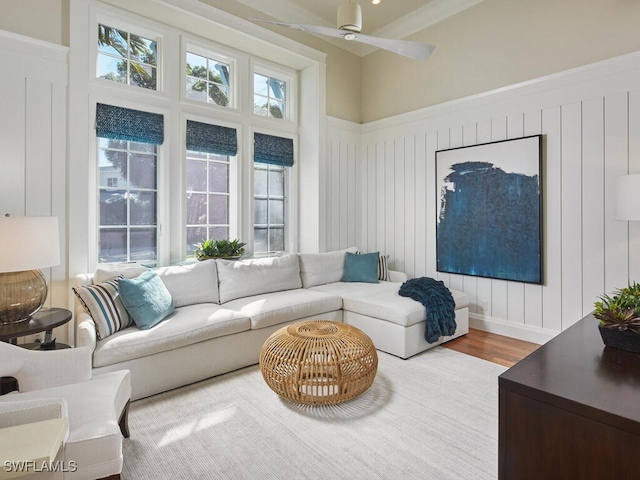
(53, 384)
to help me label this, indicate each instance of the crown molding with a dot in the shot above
(433, 12)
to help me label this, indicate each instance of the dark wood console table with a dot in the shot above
(571, 410)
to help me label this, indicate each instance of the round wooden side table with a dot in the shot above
(44, 320)
(319, 362)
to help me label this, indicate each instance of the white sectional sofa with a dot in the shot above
(225, 310)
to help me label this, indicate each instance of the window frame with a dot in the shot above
(290, 77)
(212, 52)
(290, 196)
(142, 28)
(162, 185)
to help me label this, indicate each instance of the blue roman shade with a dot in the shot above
(204, 137)
(272, 150)
(121, 123)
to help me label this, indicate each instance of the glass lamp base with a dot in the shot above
(21, 295)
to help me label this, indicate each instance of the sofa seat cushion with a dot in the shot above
(185, 326)
(381, 300)
(273, 308)
(95, 440)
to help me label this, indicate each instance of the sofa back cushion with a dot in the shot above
(322, 268)
(244, 278)
(192, 283)
(102, 275)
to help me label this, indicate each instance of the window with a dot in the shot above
(127, 58)
(269, 208)
(208, 80)
(127, 215)
(207, 197)
(271, 156)
(269, 96)
(127, 219)
(209, 152)
(152, 202)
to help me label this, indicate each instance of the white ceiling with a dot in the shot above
(391, 18)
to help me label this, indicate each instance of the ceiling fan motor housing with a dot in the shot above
(350, 17)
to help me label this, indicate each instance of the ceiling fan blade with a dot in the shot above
(415, 50)
(331, 32)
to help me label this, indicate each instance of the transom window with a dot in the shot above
(207, 197)
(269, 208)
(269, 96)
(208, 80)
(127, 214)
(128, 58)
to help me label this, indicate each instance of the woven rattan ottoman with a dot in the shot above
(318, 362)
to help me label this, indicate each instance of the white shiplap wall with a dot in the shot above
(33, 170)
(342, 192)
(590, 119)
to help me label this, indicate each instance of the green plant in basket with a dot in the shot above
(225, 248)
(622, 310)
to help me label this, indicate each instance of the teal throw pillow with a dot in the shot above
(361, 267)
(146, 299)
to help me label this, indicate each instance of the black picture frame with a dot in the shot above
(489, 210)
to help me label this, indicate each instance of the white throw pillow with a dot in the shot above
(244, 278)
(192, 283)
(322, 268)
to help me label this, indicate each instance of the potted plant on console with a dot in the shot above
(619, 317)
(211, 248)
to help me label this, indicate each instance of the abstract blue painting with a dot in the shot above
(489, 218)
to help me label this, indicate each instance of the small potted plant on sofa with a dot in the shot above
(211, 248)
(619, 317)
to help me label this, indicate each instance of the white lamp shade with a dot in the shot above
(28, 243)
(627, 197)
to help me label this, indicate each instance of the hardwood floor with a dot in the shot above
(492, 347)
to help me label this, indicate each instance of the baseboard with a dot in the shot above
(519, 331)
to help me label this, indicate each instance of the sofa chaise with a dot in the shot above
(225, 310)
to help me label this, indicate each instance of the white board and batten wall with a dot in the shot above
(590, 119)
(33, 103)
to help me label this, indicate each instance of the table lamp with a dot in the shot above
(627, 197)
(26, 245)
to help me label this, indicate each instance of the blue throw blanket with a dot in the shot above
(437, 301)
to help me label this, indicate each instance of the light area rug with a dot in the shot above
(433, 416)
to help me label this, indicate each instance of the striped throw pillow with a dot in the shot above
(103, 303)
(383, 266)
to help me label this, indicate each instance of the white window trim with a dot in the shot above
(281, 73)
(216, 52)
(139, 26)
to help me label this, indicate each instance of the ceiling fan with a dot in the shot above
(349, 27)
